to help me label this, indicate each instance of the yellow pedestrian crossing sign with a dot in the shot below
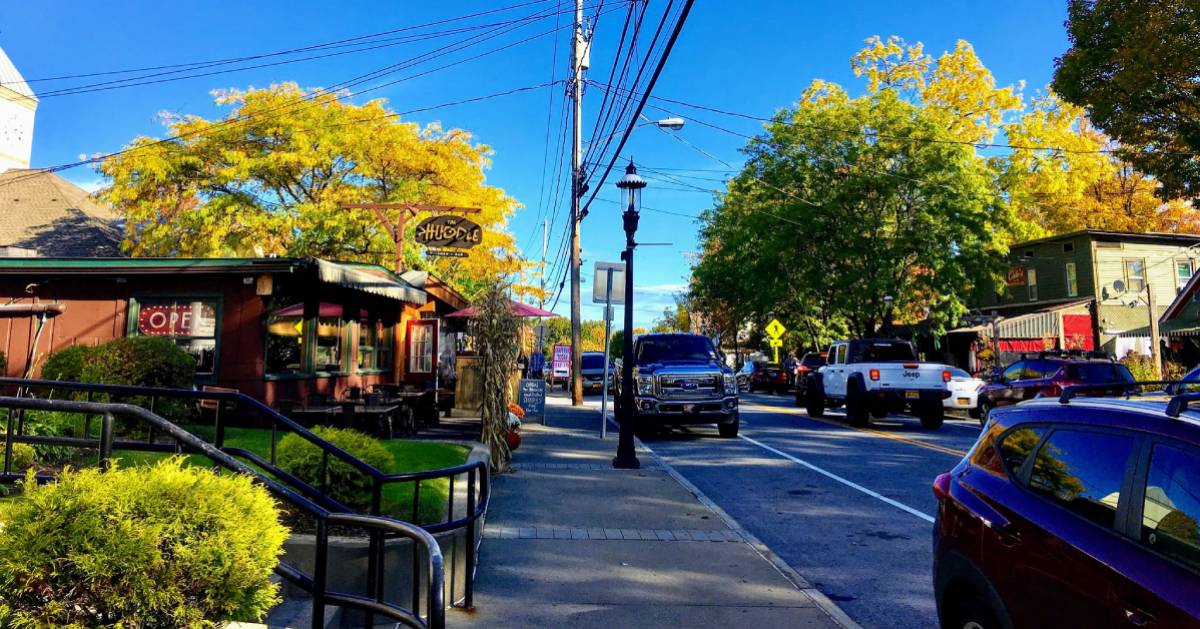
(776, 330)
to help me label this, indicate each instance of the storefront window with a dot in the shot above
(285, 341)
(374, 346)
(330, 332)
(190, 323)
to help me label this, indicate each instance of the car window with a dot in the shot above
(841, 354)
(1171, 507)
(1099, 372)
(955, 372)
(1038, 369)
(593, 361)
(655, 349)
(1083, 471)
(1017, 445)
(885, 351)
(1013, 371)
(812, 360)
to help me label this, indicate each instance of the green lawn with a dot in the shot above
(410, 456)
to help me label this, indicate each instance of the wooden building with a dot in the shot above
(274, 328)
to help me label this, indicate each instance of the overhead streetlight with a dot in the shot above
(631, 186)
(674, 123)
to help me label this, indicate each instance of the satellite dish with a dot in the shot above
(1119, 286)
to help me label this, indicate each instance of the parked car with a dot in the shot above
(593, 372)
(808, 365)
(875, 377)
(964, 392)
(768, 377)
(746, 373)
(1081, 514)
(680, 379)
(1046, 376)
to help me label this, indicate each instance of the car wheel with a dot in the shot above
(729, 430)
(814, 398)
(985, 409)
(932, 415)
(856, 403)
(971, 612)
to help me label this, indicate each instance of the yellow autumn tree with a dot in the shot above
(272, 177)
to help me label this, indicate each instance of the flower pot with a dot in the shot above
(514, 439)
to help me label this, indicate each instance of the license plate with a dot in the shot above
(964, 401)
(912, 395)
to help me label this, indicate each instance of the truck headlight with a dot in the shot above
(645, 385)
(731, 387)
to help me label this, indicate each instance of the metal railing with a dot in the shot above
(426, 550)
(468, 484)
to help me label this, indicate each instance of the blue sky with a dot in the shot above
(750, 57)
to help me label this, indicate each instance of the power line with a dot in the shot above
(212, 62)
(546, 141)
(662, 62)
(317, 94)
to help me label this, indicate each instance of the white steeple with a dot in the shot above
(18, 104)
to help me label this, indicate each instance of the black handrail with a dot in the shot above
(315, 585)
(478, 481)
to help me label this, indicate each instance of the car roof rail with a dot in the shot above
(1179, 403)
(1070, 392)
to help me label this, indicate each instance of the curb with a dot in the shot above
(824, 603)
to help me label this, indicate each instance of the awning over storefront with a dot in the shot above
(1040, 324)
(370, 279)
(1175, 328)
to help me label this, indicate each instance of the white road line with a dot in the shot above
(847, 482)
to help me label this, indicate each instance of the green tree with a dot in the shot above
(1133, 65)
(822, 223)
(676, 318)
(274, 181)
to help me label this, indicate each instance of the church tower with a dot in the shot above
(17, 106)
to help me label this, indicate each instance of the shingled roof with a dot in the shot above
(42, 211)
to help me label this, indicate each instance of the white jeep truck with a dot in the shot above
(875, 377)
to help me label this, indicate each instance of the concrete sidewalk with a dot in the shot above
(571, 542)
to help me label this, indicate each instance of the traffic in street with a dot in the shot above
(850, 509)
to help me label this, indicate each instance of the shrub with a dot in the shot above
(1142, 367)
(143, 361)
(347, 485)
(54, 424)
(161, 546)
(66, 364)
(22, 455)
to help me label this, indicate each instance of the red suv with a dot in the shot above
(1074, 513)
(1028, 378)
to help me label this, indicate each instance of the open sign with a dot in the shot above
(177, 319)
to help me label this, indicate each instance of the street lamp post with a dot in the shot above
(631, 188)
(887, 319)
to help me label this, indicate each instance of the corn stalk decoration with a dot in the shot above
(495, 329)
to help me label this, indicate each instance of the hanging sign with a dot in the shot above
(1015, 276)
(448, 231)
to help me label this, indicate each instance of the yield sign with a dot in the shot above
(775, 328)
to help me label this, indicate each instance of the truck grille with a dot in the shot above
(688, 387)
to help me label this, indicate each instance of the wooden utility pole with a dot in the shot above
(395, 228)
(578, 51)
(1155, 354)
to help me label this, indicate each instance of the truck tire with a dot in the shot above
(857, 412)
(879, 411)
(932, 414)
(814, 397)
(729, 429)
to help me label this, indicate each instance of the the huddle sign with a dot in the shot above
(454, 232)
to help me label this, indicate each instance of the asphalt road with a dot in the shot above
(850, 509)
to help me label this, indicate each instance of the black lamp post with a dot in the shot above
(631, 187)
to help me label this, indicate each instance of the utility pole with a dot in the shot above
(578, 51)
(542, 297)
(1155, 356)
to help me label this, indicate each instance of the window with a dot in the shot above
(841, 354)
(1013, 371)
(191, 323)
(1135, 275)
(420, 346)
(329, 344)
(1039, 369)
(1183, 273)
(285, 341)
(374, 346)
(1083, 471)
(884, 351)
(1029, 253)
(1031, 284)
(1101, 372)
(1171, 507)
(1017, 446)
(1072, 280)
(1068, 247)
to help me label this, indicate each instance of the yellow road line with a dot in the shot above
(878, 433)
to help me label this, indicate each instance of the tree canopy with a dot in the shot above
(1133, 65)
(272, 176)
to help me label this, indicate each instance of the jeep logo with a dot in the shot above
(912, 374)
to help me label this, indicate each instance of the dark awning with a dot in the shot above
(370, 279)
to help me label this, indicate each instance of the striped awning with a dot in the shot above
(370, 279)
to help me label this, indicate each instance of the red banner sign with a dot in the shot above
(1015, 276)
(177, 319)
